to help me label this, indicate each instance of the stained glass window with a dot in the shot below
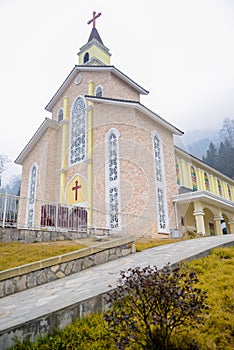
(32, 195)
(194, 178)
(219, 187)
(207, 183)
(229, 192)
(177, 173)
(112, 178)
(114, 207)
(157, 157)
(160, 184)
(161, 207)
(60, 115)
(113, 171)
(99, 91)
(78, 131)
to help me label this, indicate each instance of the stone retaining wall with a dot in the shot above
(56, 320)
(12, 234)
(44, 271)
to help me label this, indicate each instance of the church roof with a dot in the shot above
(81, 68)
(138, 106)
(95, 35)
(47, 123)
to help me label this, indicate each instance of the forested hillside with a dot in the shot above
(221, 156)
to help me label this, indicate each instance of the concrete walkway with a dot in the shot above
(31, 304)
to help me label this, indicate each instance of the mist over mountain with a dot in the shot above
(196, 142)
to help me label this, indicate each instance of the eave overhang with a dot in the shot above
(205, 197)
(94, 42)
(47, 123)
(138, 106)
(83, 68)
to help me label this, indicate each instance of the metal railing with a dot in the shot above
(9, 205)
(68, 217)
(55, 216)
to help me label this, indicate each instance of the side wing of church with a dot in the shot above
(103, 159)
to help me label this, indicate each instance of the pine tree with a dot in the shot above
(222, 156)
(211, 155)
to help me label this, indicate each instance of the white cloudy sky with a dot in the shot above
(182, 51)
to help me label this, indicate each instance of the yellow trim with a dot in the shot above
(225, 190)
(216, 189)
(211, 179)
(64, 151)
(200, 179)
(95, 52)
(232, 192)
(90, 154)
(189, 174)
(81, 193)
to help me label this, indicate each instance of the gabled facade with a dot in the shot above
(102, 150)
(105, 160)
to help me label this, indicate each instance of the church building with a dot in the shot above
(104, 160)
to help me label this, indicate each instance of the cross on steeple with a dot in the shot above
(94, 19)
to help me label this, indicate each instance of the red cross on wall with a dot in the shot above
(76, 188)
(94, 19)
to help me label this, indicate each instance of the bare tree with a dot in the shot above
(4, 161)
(227, 131)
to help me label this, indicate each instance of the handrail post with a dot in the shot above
(56, 217)
(4, 211)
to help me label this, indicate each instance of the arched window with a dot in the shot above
(32, 186)
(207, 182)
(194, 178)
(219, 187)
(112, 179)
(86, 57)
(78, 131)
(177, 172)
(99, 91)
(60, 115)
(160, 184)
(229, 192)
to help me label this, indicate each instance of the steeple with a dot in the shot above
(94, 53)
(95, 35)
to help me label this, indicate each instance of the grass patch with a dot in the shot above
(13, 254)
(144, 243)
(215, 273)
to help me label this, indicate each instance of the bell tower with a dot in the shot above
(94, 53)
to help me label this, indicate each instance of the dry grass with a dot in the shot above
(13, 254)
(146, 243)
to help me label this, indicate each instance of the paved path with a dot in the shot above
(32, 303)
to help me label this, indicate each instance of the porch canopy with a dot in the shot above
(205, 212)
